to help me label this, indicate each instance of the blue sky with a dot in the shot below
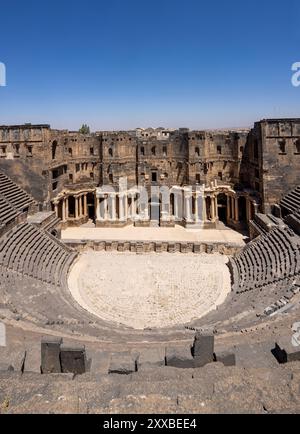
(121, 64)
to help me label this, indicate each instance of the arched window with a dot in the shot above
(197, 152)
(110, 151)
(153, 150)
(142, 150)
(297, 146)
(219, 149)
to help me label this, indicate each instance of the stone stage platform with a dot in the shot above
(178, 234)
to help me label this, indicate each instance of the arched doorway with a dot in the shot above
(71, 207)
(91, 206)
(222, 207)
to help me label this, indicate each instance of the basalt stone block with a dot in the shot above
(196, 247)
(33, 359)
(114, 245)
(126, 246)
(203, 248)
(108, 246)
(179, 357)
(158, 247)
(285, 351)
(151, 357)
(122, 363)
(177, 247)
(139, 248)
(120, 247)
(203, 348)
(184, 248)
(73, 359)
(164, 247)
(99, 362)
(209, 248)
(50, 351)
(171, 248)
(189, 247)
(133, 247)
(6, 367)
(225, 357)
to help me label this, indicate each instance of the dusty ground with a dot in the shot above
(151, 290)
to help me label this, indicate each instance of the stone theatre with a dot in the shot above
(155, 269)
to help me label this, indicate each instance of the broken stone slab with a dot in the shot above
(203, 348)
(227, 358)
(50, 355)
(151, 357)
(179, 357)
(122, 363)
(285, 351)
(73, 359)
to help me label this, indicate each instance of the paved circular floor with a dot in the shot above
(151, 290)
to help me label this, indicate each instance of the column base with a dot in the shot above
(142, 223)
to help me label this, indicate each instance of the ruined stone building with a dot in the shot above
(238, 173)
(78, 311)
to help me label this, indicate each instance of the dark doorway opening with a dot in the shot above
(71, 207)
(91, 206)
(59, 210)
(242, 208)
(222, 207)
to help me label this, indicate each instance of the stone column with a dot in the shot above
(56, 209)
(80, 206)
(216, 207)
(113, 207)
(121, 207)
(63, 209)
(204, 214)
(187, 208)
(85, 204)
(212, 208)
(98, 214)
(232, 208)
(76, 207)
(228, 208)
(196, 208)
(105, 216)
(236, 209)
(67, 208)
